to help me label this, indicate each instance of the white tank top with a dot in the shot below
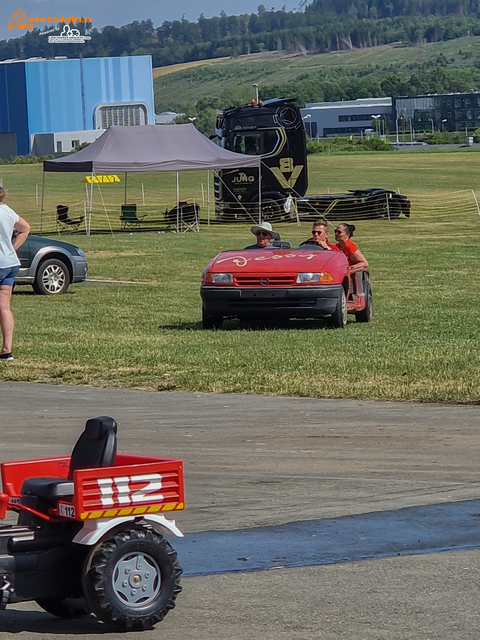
(8, 218)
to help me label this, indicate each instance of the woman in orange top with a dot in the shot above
(343, 233)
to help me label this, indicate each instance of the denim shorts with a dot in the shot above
(7, 276)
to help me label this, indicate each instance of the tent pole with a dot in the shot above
(260, 193)
(208, 197)
(43, 190)
(90, 205)
(178, 206)
(125, 196)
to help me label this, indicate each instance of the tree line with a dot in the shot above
(324, 26)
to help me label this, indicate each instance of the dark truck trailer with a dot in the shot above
(274, 130)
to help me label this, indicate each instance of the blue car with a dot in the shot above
(50, 266)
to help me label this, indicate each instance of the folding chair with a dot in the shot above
(129, 218)
(187, 216)
(64, 222)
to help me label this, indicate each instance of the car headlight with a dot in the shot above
(218, 278)
(305, 278)
(222, 278)
(79, 251)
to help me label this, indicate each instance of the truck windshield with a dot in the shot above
(255, 143)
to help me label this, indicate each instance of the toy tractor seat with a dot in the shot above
(96, 447)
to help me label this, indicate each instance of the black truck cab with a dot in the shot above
(274, 130)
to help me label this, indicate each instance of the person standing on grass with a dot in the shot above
(9, 266)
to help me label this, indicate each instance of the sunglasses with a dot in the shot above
(317, 233)
(263, 234)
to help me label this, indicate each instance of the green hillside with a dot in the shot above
(230, 80)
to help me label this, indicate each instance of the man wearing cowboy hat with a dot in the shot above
(264, 234)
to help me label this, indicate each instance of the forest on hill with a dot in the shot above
(323, 26)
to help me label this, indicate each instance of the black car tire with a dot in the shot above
(381, 210)
(211, 321)
(66, 607)
(52, 278)
(338, 319)
(395, 209)
(367, 314)
(132, 578)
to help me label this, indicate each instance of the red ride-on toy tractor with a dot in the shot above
(90, 528)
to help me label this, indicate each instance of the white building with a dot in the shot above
(349, 117)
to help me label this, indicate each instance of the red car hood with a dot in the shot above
(280, 262)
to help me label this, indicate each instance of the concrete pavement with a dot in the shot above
(255, 461)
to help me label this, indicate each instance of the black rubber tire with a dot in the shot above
(367, 314)
(66, 608)
(52, 278)
(338, 319)
(211, 321)
(381, 210)
(271, 210)
(156, 568)
(395, 209)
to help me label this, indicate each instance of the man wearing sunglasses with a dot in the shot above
(264, 234)
(320, 236)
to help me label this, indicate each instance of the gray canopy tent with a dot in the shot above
(149, 148)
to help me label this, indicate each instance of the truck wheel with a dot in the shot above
(339, 317)
(271, 211)
(66, 607)
(367, 314)
(132, 578)
(211, 322)
(52, 278)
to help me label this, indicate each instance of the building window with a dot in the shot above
(355, 118)
(342, 131)
(458, 103)
(125, 115)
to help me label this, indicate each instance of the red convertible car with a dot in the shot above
(280, 284)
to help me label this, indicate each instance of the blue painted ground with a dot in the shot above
(407, 531)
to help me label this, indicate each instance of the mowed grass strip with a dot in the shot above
(422, 345)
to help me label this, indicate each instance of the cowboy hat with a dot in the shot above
(265, 226)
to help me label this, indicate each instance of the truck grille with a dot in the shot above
(265, 281)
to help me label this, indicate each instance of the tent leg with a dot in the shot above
(260, 193)
(125, 195)
(208, 197)
(90, 206)
(178, 206)
(43, 191)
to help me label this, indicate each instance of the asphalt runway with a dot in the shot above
(279, 484)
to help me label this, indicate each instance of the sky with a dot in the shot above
(113, 12)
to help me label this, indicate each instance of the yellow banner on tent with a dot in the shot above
(102, 179)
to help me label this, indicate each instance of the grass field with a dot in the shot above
(423, 344)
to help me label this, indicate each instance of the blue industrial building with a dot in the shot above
(41, 98)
